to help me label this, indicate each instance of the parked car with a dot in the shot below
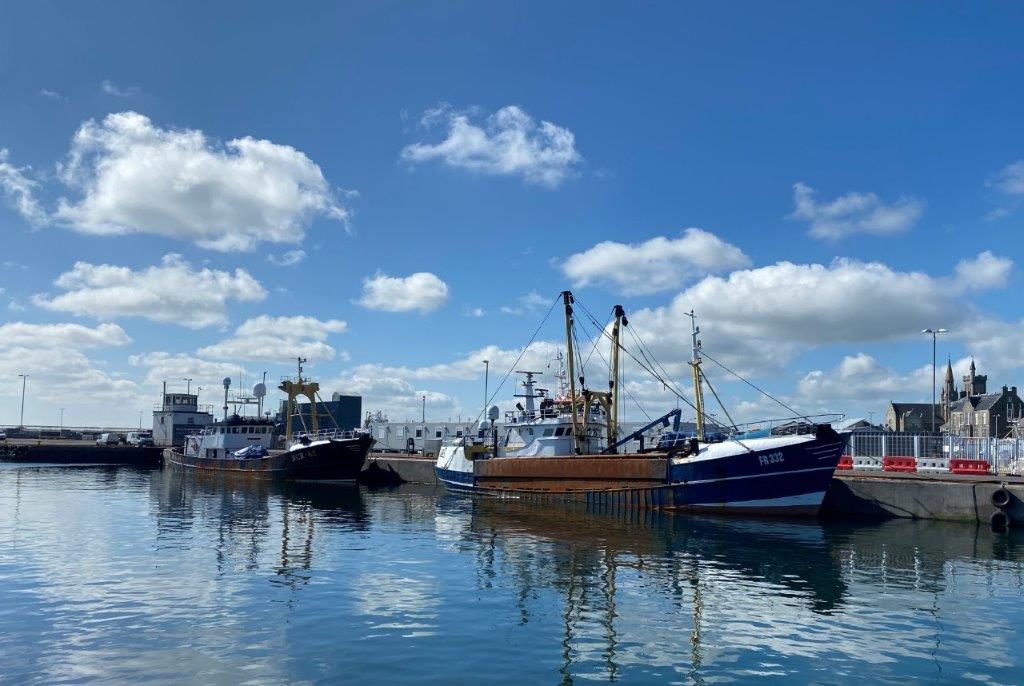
(140, 438)
(108, 439)
(3, 435)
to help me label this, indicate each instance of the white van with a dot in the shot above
(140, 438)
(108, 439)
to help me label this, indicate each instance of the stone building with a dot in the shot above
(913, 417)
(975, 412)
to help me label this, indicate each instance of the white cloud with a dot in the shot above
(278, 339)
(173, 367)
(986, 271)
(118, 91)
(509, 143)
(531, 302)
(173, 292)
(476, 312)
(422, 291)
(1010, 179)
(134, 177)
(52, 95)
(854, 213)
(288, 259)
(59, 372)
(395, 396)
(655, 265)
(757, 319)
(19, 190)
(858, 383)
(61, 335)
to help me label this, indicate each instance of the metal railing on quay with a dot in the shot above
(1002, 455)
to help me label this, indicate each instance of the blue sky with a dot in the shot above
(839, 163)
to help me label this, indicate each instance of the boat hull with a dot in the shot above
(334, 460)
(780, 480)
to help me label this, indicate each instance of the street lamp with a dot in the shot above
(21, 422)
(62, 422)
(934, 333)
(423, 420)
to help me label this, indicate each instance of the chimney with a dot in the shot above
(1005, 389)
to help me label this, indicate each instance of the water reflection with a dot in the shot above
(630, 585)
(127, 576)
(254, 517)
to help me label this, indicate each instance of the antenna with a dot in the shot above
(227, 385)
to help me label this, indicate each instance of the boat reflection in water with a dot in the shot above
(260, 523)
(666, 596)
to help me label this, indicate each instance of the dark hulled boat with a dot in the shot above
(245, 445)
(338, 456)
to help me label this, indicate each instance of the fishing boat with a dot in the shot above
(567, 448)
(246, 444)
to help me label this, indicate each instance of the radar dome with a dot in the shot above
(227, 381)
(493, 412)
(259, 390)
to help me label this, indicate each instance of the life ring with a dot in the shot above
(999, 521)
(1001, 498)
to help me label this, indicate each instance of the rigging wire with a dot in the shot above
(667, 383)
(521, 353)
(625, 390)
(759, 390)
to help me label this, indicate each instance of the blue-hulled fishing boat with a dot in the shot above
(566, 448)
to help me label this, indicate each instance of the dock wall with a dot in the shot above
(922, 497)
(81, 453)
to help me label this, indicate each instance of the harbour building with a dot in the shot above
(178, 415)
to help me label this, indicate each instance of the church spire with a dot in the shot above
(949, 371)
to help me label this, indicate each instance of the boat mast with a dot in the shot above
(698, 391)
(613, 384)
(567, 300)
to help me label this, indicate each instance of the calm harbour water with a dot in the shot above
(129, 576)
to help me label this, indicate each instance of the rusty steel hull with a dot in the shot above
(571, 474)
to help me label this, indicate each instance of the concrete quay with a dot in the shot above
(69, 451)
(873, 495)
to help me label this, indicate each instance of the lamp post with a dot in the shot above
(423, 419)
(934, 333)
(62, 422)
(21, 422)
(188, 386)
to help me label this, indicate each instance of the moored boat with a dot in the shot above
(566, 449)
(246, 445)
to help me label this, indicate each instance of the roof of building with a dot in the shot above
(915, 408)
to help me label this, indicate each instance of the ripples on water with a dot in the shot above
(120, 575)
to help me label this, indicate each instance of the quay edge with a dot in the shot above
(948, 497)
